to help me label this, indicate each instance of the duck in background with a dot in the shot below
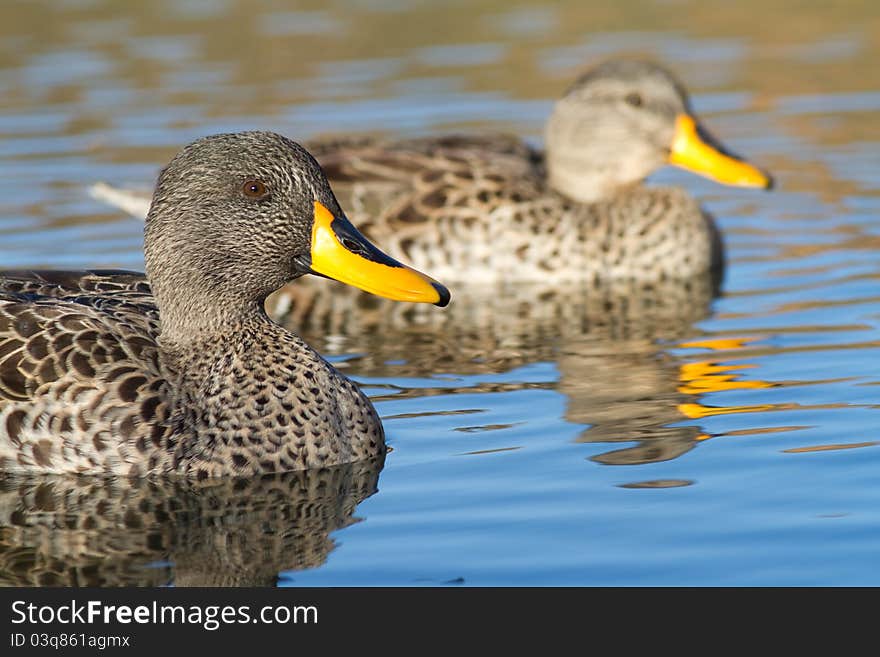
(493, 208)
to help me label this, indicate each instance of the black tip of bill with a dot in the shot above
(443, 301)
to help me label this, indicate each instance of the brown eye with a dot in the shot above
(634, 99)
(254, 189)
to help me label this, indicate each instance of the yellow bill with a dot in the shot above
(694, 151)
(341, 252)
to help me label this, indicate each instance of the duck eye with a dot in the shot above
(254, 189)
(634, 99)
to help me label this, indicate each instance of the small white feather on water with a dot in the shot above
(137, 204)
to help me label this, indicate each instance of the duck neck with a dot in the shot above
(202, 365)
(588, 161)
(580, 180)
(198, 357)
(198, 312)
(202, 293)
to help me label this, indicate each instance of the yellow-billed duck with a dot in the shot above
(180, 370)
(492, 208)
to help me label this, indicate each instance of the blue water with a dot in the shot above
(739, 447)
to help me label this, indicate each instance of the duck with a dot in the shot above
(179, 370)
(478, 209)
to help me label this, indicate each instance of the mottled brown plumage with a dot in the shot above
(608, 350)
(104, 373)
(485, 208)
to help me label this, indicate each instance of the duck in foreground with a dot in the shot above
(181, 371)
(492, 208)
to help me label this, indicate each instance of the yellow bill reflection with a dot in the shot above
(702, 377)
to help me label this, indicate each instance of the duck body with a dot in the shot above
(481, 209)
(115, 373)
(493, 207)
(86, 387)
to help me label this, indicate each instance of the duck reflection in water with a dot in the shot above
(609, 349)
(93, 531)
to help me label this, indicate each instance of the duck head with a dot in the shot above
(623, 120)
(236, 216)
